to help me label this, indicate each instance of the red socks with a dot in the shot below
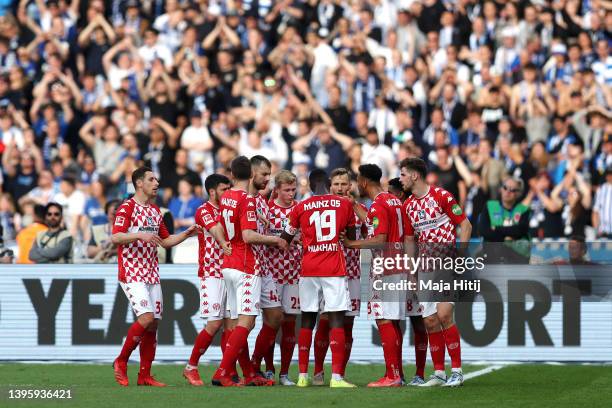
(199, 347)
(287, 345)
(420, 352)
(269, 357)
(148, 344)
(236, 346)
(265, 339)
(304, 342)
(133, 338)
(389, 340)
(400, 342)
(337, 346)
(437, 347)
(348, 341)
(453, 345)
(321, 343)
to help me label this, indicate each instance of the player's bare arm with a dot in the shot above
(377, 242)
(466, 231)
(219, 236)
(176, 239)
(123, 238)
(254, 238)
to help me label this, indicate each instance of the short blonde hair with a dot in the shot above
(284, 177)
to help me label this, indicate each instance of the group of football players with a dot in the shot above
(282, 258)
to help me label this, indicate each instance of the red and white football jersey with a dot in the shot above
(209, 251)
(433, 217)
(321, 220)
(138, 260)
(261, 207)
(237, 213)
(284, 265)
(385, 217)
(353, 256)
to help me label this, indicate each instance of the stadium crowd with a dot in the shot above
(90, 90)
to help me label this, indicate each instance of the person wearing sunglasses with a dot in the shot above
(507, 220)
(55, 244)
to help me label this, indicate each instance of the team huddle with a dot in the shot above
(281, 258)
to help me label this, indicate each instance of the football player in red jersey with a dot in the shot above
(414, 309)
(341, 186)
(321, 219)
(271, 308)
(212, 286)
(137, 231)
(431, 216)
(285, 267)
(385, 231)
(238, 227)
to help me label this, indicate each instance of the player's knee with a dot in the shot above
(213, 326)
(432, 323)
(146, 320)
(274, 317)
(446, 320)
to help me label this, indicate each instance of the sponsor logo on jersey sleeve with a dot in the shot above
(375, 222)
(208, 219)
(251, 216)
(456, 209)
(119, 221)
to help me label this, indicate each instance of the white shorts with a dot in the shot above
(144, 298)
(243, 293)
(387, 304)
(269, 295)
(333, 290)
(213, 299)
(430, 308)
(290, 297)
(354, 286)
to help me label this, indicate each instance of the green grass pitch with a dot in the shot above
(512, 386)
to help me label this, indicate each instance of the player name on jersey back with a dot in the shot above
(321, 220)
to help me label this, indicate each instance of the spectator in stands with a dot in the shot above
(184, 206)
(100, 249)
(7, 217)
(26, 237)
(602, 210)
(507, 220)
(55, 244)
(73, 204)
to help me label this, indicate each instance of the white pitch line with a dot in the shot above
(484, 371)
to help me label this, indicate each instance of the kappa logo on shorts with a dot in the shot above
(144, 303)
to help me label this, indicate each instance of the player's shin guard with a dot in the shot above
(202, 342)
(420, 352)
(287, 345)
(224, 339)
(337, 346)
(388, 338)
(248, 370)
(321, 343)
(348, 339)
(437, 347)
(453, 345)
(400, 343)
(265, 339)
(269, 357)
(134, 337)
(148, 345)
(304, 342)
(236, 344)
